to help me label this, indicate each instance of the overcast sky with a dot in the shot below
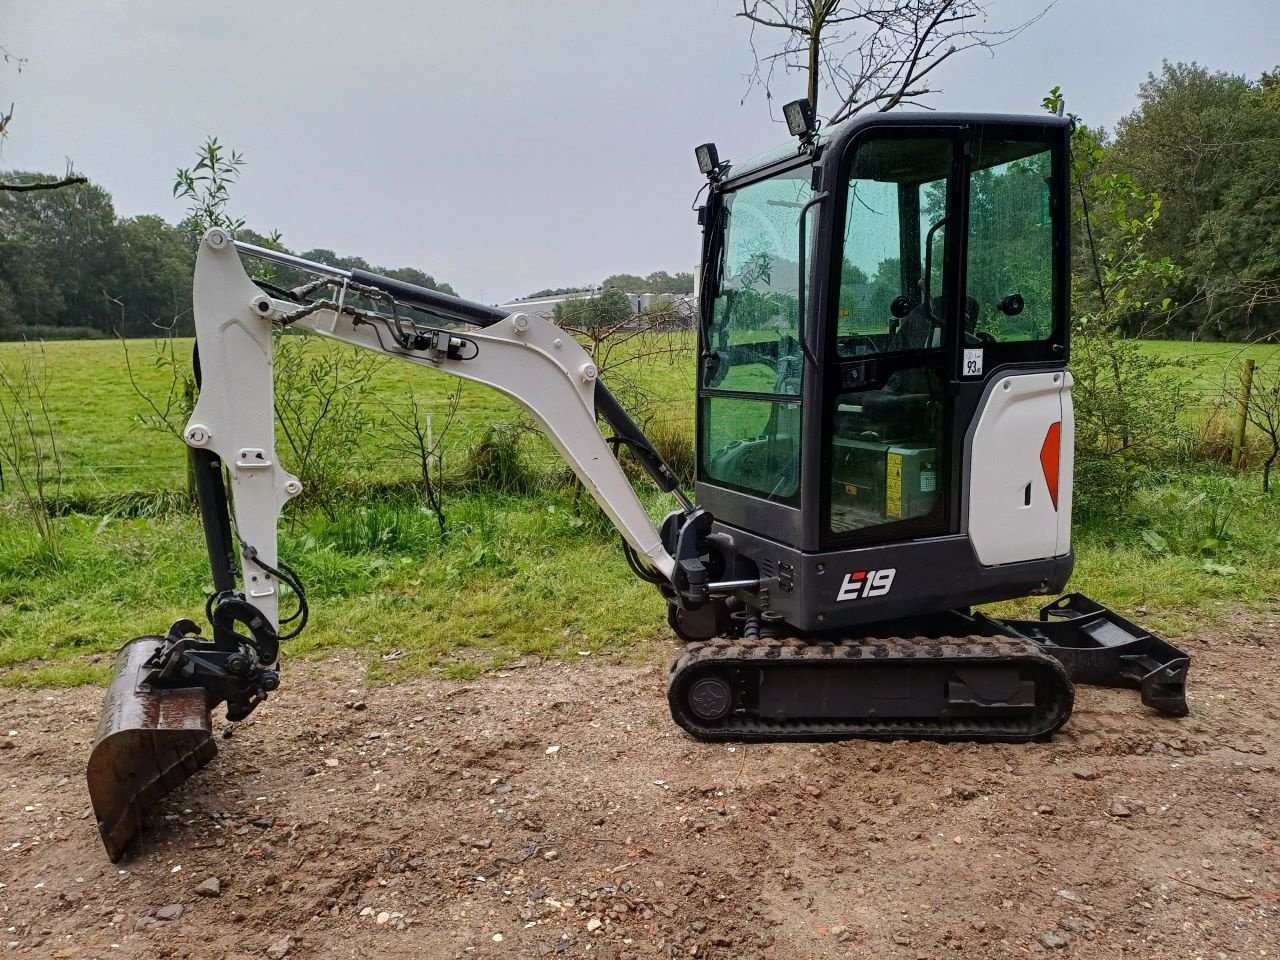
(501, 146)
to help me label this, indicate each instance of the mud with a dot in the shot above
(553, 810)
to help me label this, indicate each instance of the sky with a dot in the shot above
(503, 146)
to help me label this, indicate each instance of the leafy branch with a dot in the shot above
(208, 186)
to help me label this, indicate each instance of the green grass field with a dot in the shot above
(96, 412)
(531, 574)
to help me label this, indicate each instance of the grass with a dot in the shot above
(507, 582)
(536, 574)
(106, 451)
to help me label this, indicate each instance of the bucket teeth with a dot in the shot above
(149, 742)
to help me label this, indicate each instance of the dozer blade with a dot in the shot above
(149, 741)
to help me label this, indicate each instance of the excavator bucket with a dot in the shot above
(149, 741)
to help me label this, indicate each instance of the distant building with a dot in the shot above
(684, 304)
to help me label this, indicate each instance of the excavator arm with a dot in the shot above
(155, 730)
(525, 357)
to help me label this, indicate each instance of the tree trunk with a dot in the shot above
(815, 46)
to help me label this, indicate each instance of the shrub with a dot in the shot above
(674, 441)
(46, 332)
(1104, 488)
(499, 461)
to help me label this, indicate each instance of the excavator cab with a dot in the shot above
(882, 365)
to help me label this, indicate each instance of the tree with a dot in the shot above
(590, 314)
(1127, 402)
(1172, 142)
(1210, 143)
(621, 340)
(1262, 409)
(871, 54)
(555, 292)
(58, 251)
(657, 282)
(153, 277)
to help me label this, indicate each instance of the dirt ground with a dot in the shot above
(555, 811)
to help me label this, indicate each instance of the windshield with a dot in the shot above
(749, 412)
(753, 338)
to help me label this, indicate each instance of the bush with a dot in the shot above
(46, 332)
(674, 442)
(1128, 404)
(1105, 487)
(499, 461)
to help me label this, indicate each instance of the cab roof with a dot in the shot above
(847, 129)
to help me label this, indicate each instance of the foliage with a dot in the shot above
(1103, 486)
(555, 292)
(322, 409)
(1128, 403)
(58, 252)
(621, 342)
(1262, 409)
(499, 461)
(657, 282)
(609, 308)
(208, 186)
(1210, 143)
(674, 443)
(416, 434)
(70, 269)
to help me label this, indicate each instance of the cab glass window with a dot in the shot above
(894, 237)
(753, 339)
(1010, 279)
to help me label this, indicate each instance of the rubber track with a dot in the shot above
(1051, 711)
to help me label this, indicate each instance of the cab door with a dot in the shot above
(1012, 390)
(888, 404)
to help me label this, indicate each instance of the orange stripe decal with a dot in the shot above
(1049, 451)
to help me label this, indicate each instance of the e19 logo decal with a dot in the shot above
(866, 583)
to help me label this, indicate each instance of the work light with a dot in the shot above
(708, 158)
(799, 115)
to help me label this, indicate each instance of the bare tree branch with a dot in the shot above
(17, 187)
(871, 55)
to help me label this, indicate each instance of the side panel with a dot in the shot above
(1016, 466)
(840, 589)
(1067, 468)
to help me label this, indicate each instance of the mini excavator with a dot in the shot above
(884, 440)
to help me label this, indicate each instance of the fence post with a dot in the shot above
(1242, 413)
